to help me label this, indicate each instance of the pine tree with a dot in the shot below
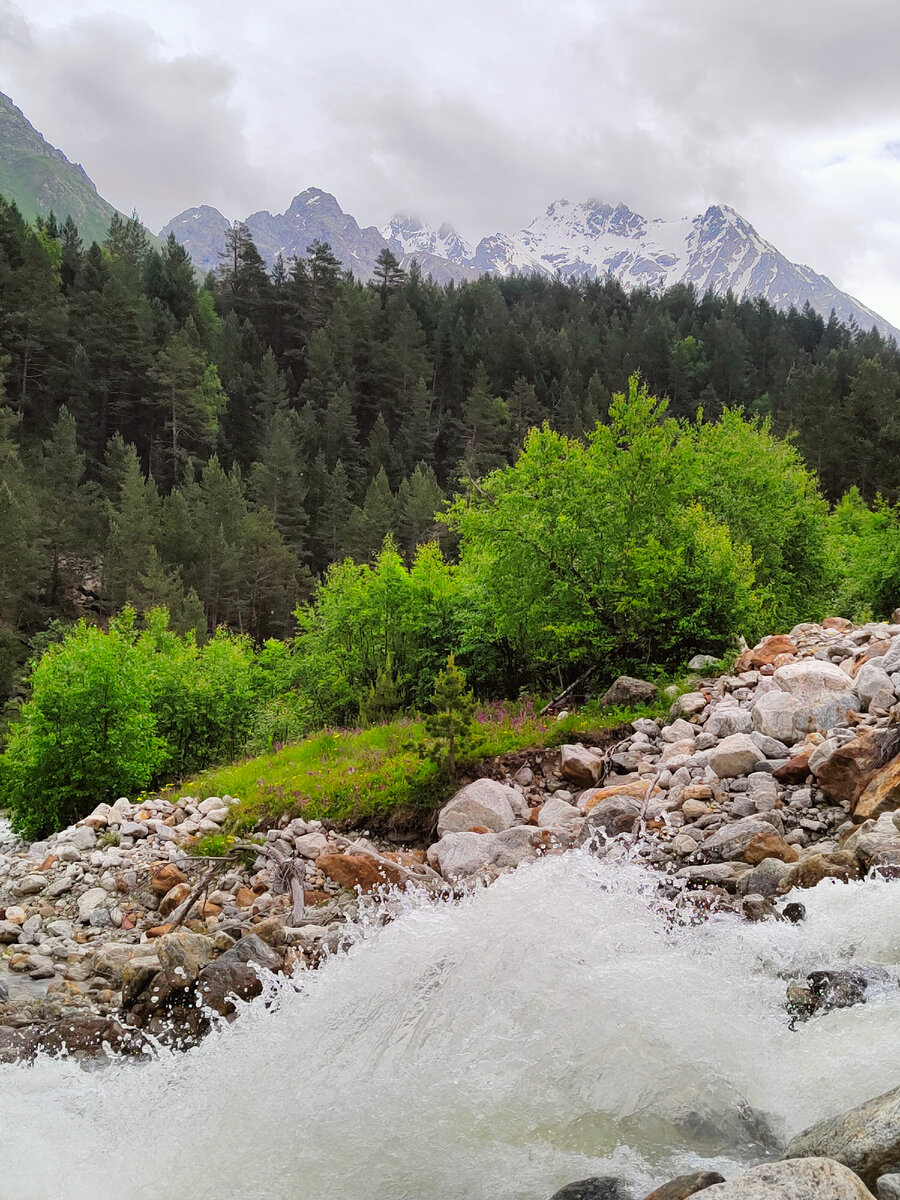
(67, 501)
(486, 425)
(380, 454)
(277, 482)
(454, 711)
(133, 519)
(388, 276)
(371, 524)
(332, 515)
(419, 499)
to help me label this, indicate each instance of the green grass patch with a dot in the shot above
(362, 774)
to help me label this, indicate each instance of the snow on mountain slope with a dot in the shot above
(715, 251)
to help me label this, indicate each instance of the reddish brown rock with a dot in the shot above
(769, 845)
(244, 897)
(881, 794)
(175, 896)
(796, 769)
(686, 1185)
(765, 654)
(811, 871)
(534, 813)
(844, 775)
(165, 876)
(479, 829)
(314, 897)
(595, 796)
(361, 871)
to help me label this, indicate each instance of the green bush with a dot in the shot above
(87, 733)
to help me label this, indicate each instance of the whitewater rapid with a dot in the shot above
(556, 1025)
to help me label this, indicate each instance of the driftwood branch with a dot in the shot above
(565, 692)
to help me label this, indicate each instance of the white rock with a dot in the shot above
(871, 679)
(90, 901)
(811, 681)
(735, 755)
(557, 812)
(310, 845)
(773, 716)
(796, 1179)
(688, 705)
(725, 722)
(484, 802)
(580, 764)
(822, 753)
(461, 855)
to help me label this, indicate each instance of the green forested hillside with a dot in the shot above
(41, 180)
(214, 448)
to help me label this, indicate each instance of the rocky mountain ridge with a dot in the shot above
(40, 179)
(717, 250)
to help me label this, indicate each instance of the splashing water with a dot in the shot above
(553, 1026)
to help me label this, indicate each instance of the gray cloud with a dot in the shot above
(152, 131)
(483, 112)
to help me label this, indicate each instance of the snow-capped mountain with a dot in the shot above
(715, 251)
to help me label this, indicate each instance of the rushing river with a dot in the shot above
(553, 1026)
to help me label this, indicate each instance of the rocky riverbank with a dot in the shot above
(757, 785)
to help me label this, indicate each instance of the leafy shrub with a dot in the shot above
(87, 733)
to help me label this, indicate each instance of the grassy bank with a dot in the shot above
(369, 774)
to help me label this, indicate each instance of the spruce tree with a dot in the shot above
(454, 711)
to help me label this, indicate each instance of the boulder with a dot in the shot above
(252, 949)
(362, 871)
(724, 874)
(599, 1187)
(224, 980)
(626, 692)
(686, 1185)
(812, 681)
(310, 845)
(765, 879)
(796, 1179)
(732, 840)
(175, 896)
(594, 796)
(459, 856)
(870, 679)
(881, 794)
(773, 716)
(688, 705)
(889, 1187)
(556, 813)
(90, 900)
(613, 815)
(182, 955)
(165, 876)
(866, 1138)
(701, 661)
(769, 845)
(137, 975)
(835, 710)
(795, 770)
(844, 774)
(735, 755)
(725, 722)
(765, 653)
(580, 764)
(484, 802)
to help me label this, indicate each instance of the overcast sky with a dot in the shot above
(482, 112)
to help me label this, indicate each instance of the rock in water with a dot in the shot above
(600, 1187)
(866, 1139)
(484, 802)
(686, 1185)
(795, 1179)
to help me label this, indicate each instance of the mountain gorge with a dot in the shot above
(717, 250)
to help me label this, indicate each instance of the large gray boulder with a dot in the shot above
(727, 721)
(735, 755)
(811, 681)
(866, 1138)
(773, 716)
(581, 764)
(870, 679)
(484, 802)
(731, 840)
(627, 691)
(599, 1187)
(797, 1179)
